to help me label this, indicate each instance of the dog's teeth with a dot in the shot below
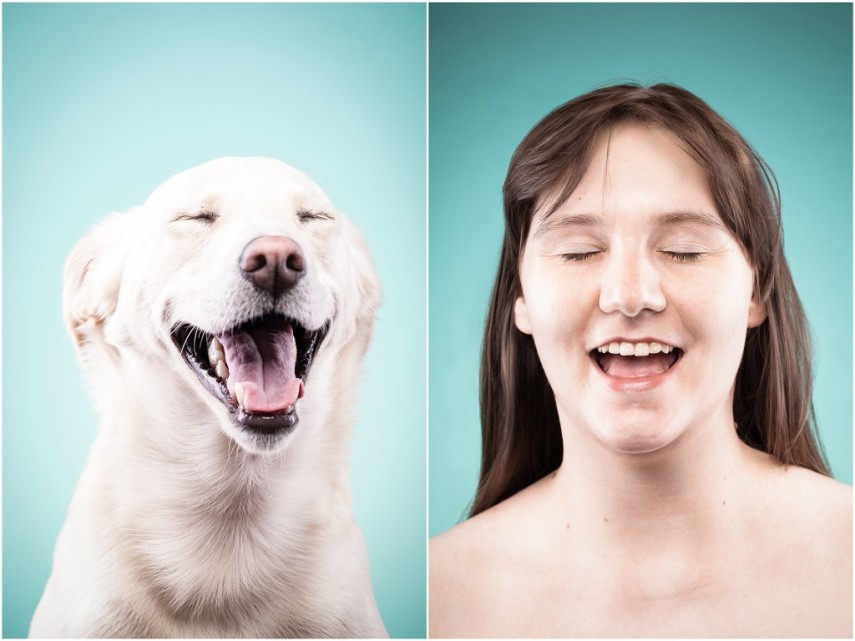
(216, 353)
(222, 369)
(239, 394)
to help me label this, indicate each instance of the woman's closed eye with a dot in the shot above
(578, 252)
(684, 251)
(683, 256)
(579, 256)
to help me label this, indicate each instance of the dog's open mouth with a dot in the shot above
(257, 369)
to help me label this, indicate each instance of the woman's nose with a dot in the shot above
(631, 284)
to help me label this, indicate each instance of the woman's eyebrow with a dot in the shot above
(550, 223)
(689, 216)
(565, 221)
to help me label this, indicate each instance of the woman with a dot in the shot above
(649, 460)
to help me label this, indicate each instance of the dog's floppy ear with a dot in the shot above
(364, 275)
(93, 274)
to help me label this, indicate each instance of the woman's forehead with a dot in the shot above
(635, 172)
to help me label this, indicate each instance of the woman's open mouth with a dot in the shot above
(634, 361)
(256, 369)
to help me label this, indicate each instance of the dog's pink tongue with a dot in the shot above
(635, 366)
(262, 361)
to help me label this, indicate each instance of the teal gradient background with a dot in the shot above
(101, 104)
(782, 74)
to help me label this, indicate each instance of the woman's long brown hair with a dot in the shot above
(521, 436)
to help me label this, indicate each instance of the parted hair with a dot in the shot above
(521, 436)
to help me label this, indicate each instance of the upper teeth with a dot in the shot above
(217, 357)
(635, 349)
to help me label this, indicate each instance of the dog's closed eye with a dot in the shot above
(305, 215)
(204, 216)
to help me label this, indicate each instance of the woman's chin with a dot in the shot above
(636, 439)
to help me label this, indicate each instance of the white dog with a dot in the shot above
(222, 325)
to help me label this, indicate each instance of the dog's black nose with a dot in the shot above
(273, 263)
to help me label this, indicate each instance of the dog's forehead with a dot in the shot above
(243, 181)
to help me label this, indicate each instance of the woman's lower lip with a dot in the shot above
(635, 384)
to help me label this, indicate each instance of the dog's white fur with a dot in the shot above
(182, 524)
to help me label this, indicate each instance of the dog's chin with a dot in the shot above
(256, 437)
(256, 434)
(256, 427)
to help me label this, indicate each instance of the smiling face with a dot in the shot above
(233, 280)
(637, 296)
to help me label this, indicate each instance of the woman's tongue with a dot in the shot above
(635, 366)
(263, 361)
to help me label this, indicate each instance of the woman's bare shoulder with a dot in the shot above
(479, 538)
(817, 497)
(472, 563)
(815, 520)
(459, 564)
(815, 512)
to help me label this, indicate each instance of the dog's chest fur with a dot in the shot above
(248, 553)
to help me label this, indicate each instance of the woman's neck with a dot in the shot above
(685, 495)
